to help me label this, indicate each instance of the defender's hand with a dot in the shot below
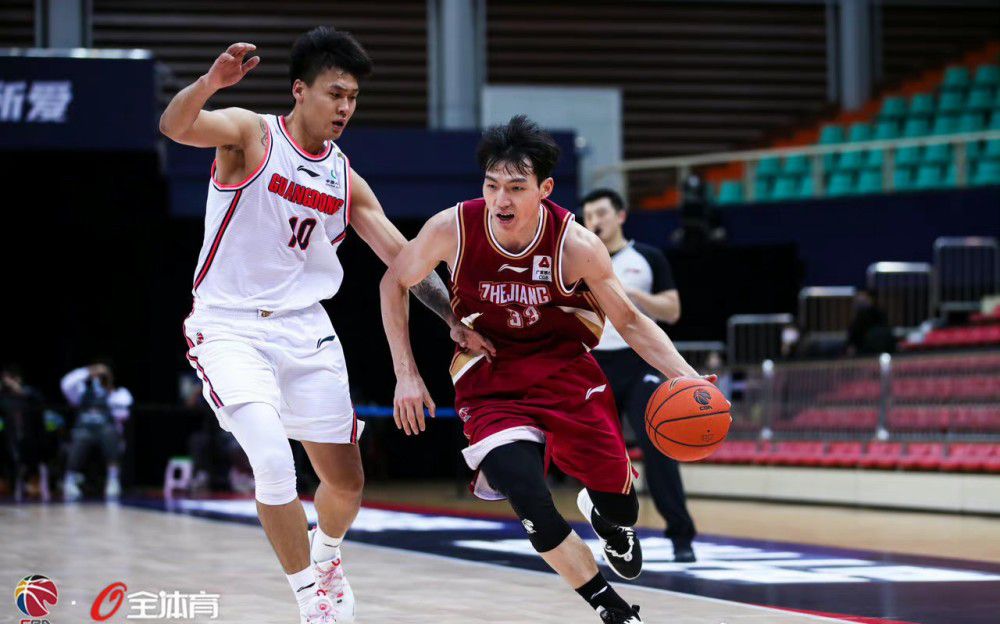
(472, 342)
(408, 404)
(229, 68)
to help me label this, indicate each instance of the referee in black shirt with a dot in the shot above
(646, 276)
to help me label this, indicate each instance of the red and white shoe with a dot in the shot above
(332, 582)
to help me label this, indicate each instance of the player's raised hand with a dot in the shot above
(472, 342)
(408, 404)
(230, 67)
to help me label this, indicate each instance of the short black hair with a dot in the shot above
(515, 142)
(324, 47)
(605, 193)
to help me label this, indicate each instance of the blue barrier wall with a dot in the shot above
(414, 172)
(838, 238)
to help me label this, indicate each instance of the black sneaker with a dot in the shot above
(620, 616)
(683, 553)
(620, 545)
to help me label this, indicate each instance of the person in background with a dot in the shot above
(645, 274)
(869, 331)
(102, 408)
(22, 430)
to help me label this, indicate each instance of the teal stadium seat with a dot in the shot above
(850, 161)
(988, 172)
(874, 158)
(893, 107)
(928, 177)
(841, 183)
(937, 154)
(980, 99)
(987, 76)
(922, 105)
(768, 167)
(795, 165)
(859, 131)
(902, 179)
(786, 187)
(870, 181)
(907, 156)
(995, 120)
(992, 149)
(973, 149)
(831, 134)
(956, 78)
(730, 192)
(763, 189)
(915, 127)
(945, 124)
(970, 122)
(996, 101)
(886, 130)
(950, 102)
(806, 189)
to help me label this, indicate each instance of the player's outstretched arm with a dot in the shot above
(410, 266)
(184, 119)
(385, 239)
(587, 258)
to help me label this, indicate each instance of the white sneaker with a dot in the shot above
(112, 490)
(331, 580)
(318, 611)
(71, 491)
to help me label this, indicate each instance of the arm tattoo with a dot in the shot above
(263, 132)
(434, 295)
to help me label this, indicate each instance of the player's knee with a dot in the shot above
(533, 505)
(274, 477)
(621, 509)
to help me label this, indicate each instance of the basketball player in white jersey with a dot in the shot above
(281, 197)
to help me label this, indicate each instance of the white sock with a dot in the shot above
(324, 547)
(112, 473)
(303, 586)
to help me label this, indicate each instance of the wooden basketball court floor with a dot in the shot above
(85, 547)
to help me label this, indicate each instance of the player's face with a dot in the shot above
(328, 103)
(601, 218)
(513, 197)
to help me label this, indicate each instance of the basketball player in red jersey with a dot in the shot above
(280, 201)
(539, 286)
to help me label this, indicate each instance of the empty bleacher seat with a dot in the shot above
(831, 134)
(980, 99)
(870, 181)
(971, 122)
(841, 183)
(922, 456)
(987, 76)
(882, 455)
(842, 455)
(859, 131)
(922, 105)
(950, 102)
(730, 192)
(893, 107)
(915, 127)
(945, 124)
(956, 78)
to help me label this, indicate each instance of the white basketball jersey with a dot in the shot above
(271, 241)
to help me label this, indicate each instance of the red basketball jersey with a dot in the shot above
(519, 301)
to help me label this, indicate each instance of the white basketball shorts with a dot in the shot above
(291, 360)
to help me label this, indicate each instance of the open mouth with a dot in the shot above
(505, 218)
(340, 125)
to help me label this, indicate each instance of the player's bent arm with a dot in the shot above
(411, 265)
(184, 120)
(587, 258)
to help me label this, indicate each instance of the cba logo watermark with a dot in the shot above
(34, 595)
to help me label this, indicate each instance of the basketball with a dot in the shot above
(687, 418)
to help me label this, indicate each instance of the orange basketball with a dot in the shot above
(687, 418)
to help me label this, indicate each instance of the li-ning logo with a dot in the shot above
(510, 267)
(702, 397)
(34, 594)
(309, 171)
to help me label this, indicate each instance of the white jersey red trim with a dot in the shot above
(258, 250)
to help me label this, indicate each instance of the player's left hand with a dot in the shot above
(471, 341)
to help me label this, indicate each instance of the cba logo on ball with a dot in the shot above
(34, 595)
(702, 397)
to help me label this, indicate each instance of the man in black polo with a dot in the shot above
(645, 274)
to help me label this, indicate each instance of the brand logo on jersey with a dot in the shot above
(463, 414)
(309, 171)
(504, 293)
(541, 268)
(591, 392)
(511, 267)
(304, 196)
(333, 182)
(199, 338)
